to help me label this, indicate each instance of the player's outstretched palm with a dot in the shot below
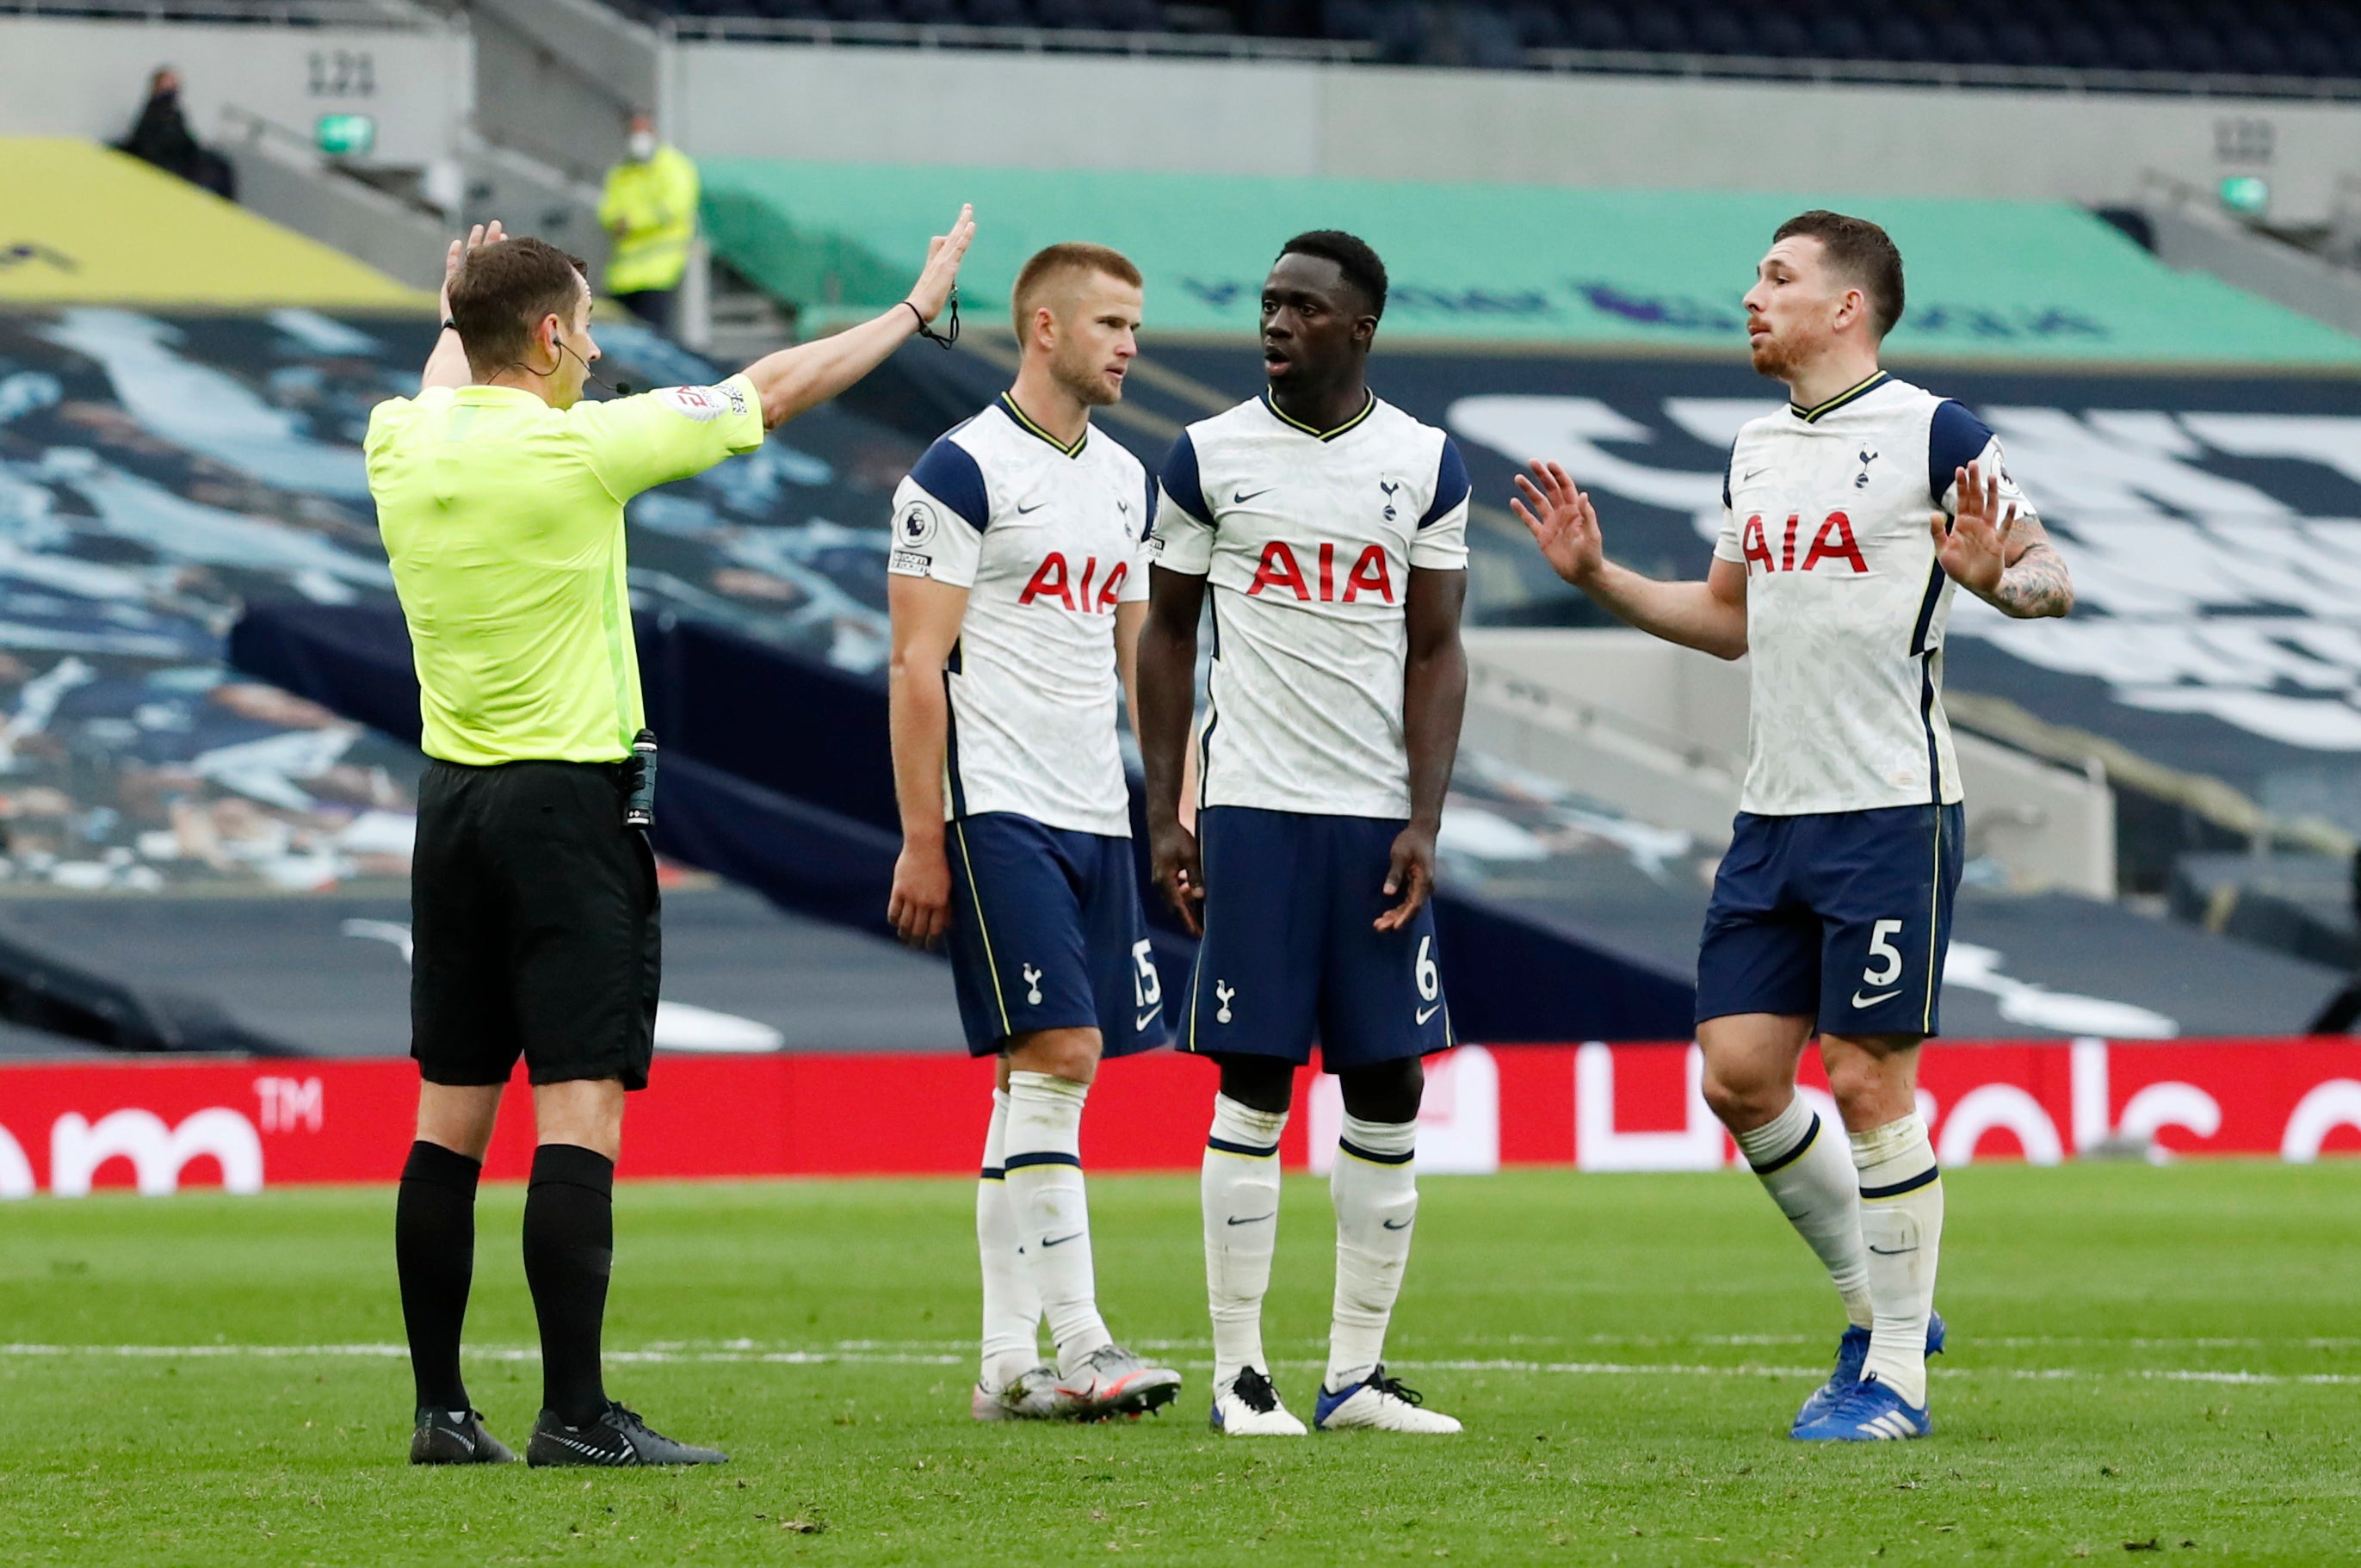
(1974, 547)
(944, 253)
(1561, 521)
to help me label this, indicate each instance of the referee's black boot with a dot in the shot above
(455, 1437)
(618, 1437)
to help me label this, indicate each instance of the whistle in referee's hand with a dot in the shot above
(640, 805)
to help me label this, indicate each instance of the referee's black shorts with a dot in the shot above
(535, 927)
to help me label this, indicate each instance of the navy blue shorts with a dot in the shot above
(1047, 934)
(1290, 953)
(1840, 917)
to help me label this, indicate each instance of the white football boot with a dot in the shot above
(1248, 1406)
(1032, 1395)
(1378, 1403)
(1113, 1381)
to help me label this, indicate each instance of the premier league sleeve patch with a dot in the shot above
(703, 404)
(914, 528)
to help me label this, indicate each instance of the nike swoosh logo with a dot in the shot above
(1426, 1012)
(1392, 1225)
(1754, 474)
(1145, 1019)
(1860, 1001)
(1894, 1251)
(1242, 497)
(1253, 1219)
(1060, 1241)
(1037, 506)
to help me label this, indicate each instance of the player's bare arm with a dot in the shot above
(1435, 697)
(809, 373)
(2006, 560)
(1167, 701)
(926, 619)
(1710, 616)
(447, 366)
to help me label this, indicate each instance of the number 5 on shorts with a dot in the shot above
(1888, 968)
(1146, 987)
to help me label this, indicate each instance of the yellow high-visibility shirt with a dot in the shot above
(655, 203)
(503, 518)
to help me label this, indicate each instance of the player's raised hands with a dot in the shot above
(944, 253)
(1561, 521)
(480, 236)
(1410, 877)
(1179, 868)
(1974, 546)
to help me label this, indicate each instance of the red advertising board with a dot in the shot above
(158, 1125)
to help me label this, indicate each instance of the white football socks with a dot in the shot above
(1374, 1188)
(1044, 1163)
(1902, 1225)
(1239, 1187)
(1012, 1307)
(1809, 1172)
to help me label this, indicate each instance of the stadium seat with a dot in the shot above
(1782, 36)
(1001, 13)
(1539, 26)
(1839, 35)
(2135, 46)
(2078, 46)
(1598, 27)
(1720, 32)
(2021, 43)
(1661, 32)
(1958, 41)
(1899, 36)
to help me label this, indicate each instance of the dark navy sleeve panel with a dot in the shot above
(1180, 481)
(1147, 516)
(1955, 438)
(1450, 484)
(949, 473)
(1729, 466)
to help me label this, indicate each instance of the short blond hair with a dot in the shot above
(1049, 265)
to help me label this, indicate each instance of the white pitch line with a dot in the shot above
(843, 1355)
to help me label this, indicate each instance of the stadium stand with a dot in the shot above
(2310, 49)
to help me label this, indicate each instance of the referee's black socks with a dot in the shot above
(569, 1249)
(435, 1251)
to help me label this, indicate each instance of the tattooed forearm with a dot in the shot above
(2036, 584)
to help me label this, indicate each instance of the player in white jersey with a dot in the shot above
(1332, 529)
(1847, 517)
(1017, 583)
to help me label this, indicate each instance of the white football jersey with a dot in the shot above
(1306, 539)
(1827, 509)
(1046, 540)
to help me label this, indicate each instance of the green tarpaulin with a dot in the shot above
(1498, 263)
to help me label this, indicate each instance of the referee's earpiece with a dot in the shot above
(619, 388)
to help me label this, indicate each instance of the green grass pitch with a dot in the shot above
(2145, 1360)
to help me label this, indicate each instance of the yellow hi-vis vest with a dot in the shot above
(655, 203)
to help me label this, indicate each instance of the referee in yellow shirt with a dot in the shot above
(499, 495)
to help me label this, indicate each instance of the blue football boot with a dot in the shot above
(1871, 1412)
(1853, 1351)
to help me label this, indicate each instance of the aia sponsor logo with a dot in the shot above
(1832, 546)
(1281, 570)
(1055, 580)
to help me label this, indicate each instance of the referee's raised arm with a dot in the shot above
(500, 497)
(794, 379)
